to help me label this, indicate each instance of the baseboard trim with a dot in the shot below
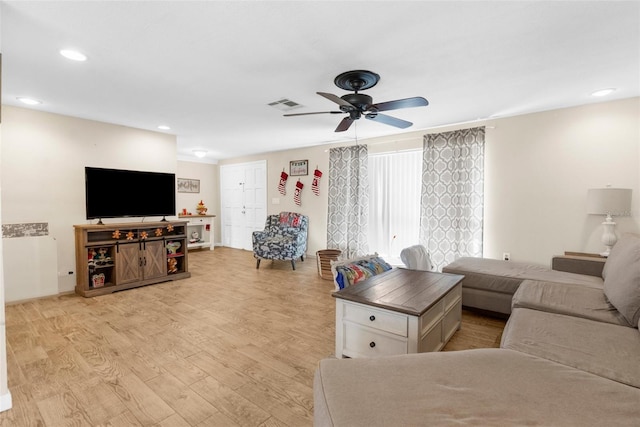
(5, 402)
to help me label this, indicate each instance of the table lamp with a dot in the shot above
(609, 201)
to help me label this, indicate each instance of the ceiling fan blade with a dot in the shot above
(336, 99)
(344, 124)
(319, 112)
(417, 101)
(388, 120)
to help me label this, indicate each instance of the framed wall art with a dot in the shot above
(186, 185)
(299, 167)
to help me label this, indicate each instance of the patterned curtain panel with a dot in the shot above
(347, 223)
(452, 195)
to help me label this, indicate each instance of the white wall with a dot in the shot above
(209, 176)
(43, 160)
(538, 168)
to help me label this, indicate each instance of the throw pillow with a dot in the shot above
(289, 219)
(622, 277)
(351, 271)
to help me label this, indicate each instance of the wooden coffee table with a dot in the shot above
(398, 312)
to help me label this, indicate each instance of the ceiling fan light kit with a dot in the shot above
(357, 104)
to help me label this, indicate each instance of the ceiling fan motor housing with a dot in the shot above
(361, 101)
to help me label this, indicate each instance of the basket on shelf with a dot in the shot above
(324, 257)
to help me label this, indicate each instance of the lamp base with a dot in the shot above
(609, 237)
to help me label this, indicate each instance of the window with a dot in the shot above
(395, 181)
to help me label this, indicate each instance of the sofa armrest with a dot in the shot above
(591, 266)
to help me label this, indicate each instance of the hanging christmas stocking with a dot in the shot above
(283, 183)
(296, 194)
(315, 184)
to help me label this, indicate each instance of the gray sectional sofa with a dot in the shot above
(569, 356)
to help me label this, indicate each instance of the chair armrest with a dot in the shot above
(256, 236)
(300, 238)
(590, 266)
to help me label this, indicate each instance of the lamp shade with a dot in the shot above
(609, 201)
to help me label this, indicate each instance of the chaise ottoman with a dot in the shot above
(489, 284)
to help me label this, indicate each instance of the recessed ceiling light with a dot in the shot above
(603, 92)
(74, 55)
(29, 101)
(164, 127)
(200, 153)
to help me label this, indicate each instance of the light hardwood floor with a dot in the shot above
(230, 346)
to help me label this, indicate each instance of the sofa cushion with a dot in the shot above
(488, 387)
(622, 277)
(505, 276)
(570, 299)
(610, 351)
(351, 271)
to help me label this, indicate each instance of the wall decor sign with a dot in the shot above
(29, 229)
(186, 185)
(299, 167)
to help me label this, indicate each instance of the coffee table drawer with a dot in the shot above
(374, 318)
(452, 320)
(432, 340)
(453, 296)
(360, 341)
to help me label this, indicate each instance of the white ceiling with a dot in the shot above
(209, 69)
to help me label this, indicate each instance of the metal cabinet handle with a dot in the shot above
(372, 317)
(372, 344)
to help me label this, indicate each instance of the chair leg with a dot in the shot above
(257, 263)
(301, 257)
(293, 264)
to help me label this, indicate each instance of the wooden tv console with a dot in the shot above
(114, 257)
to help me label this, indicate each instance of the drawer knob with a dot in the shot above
(372, 317)
(372, 344)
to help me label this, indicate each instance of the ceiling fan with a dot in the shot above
(357, 104)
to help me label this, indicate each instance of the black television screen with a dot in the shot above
(114, 193)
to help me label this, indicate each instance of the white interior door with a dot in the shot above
(243, 194)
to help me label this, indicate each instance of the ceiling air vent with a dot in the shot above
(284, 104)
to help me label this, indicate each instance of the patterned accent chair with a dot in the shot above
(284, 238)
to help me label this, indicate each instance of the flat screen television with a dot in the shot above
(116, 193)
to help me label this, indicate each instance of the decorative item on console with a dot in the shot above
(101, 258)
(201, 208)
(143, 235)
(116, 234)
(158, 232)
(97, 280)
(172, 247)
(130, 235)
(172, 265)
(195, 237)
